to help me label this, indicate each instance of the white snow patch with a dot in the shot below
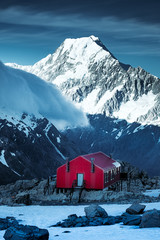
(152, 193)
(16, 172)
(132, 110)
(114, 129)
(2, 158)
(88, 104)
(9, 125)
(58, 140)
(13, 154)
(92, 105)
(38, 135)
(46, 133)
(139, 128)
(116, 164)
(119, 134)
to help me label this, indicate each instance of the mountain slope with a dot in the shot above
(89, 75)
(130, 142)
(30, 145)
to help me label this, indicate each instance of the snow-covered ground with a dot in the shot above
(44, 216)
(152, 193)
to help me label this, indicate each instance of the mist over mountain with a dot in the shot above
(22, 92)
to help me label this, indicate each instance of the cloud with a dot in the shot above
(23, 92)
(41, 27)
(144, 10)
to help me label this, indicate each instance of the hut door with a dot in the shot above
(79, 179)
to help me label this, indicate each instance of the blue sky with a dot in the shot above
(30, 30)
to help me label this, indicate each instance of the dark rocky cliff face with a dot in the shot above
(26, 152)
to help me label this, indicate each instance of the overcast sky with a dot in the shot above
(130, 29)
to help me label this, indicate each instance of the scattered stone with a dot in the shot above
(129, 219)
(72, 217)
(66, 232)
(23, 198)
(21, 232)
(136, 209)
(150, 219)
(95, 210)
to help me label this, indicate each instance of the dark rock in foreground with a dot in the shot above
(150, 219)
(26, 232)
(95, 211)
(129, 219)
(85, 221)
(136, 209)
(7, 222)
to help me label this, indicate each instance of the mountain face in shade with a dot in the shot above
(30, 145)
(90, 76)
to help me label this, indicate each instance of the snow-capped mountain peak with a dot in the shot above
(90, 76)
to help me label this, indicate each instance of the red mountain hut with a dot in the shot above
(92, 171)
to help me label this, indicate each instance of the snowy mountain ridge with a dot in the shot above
(90, 76)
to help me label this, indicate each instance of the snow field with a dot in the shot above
(45, 216)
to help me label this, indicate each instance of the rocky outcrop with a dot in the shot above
(44, 192)
(150, 219)
(95, 215)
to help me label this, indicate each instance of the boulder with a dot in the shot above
(23, 198)
(150, 219)
(7, 222)
(109, 221)
(136, 209)
(3, 223)
(21, 232)
(72, 217)
(95, 210)
(129, 219)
